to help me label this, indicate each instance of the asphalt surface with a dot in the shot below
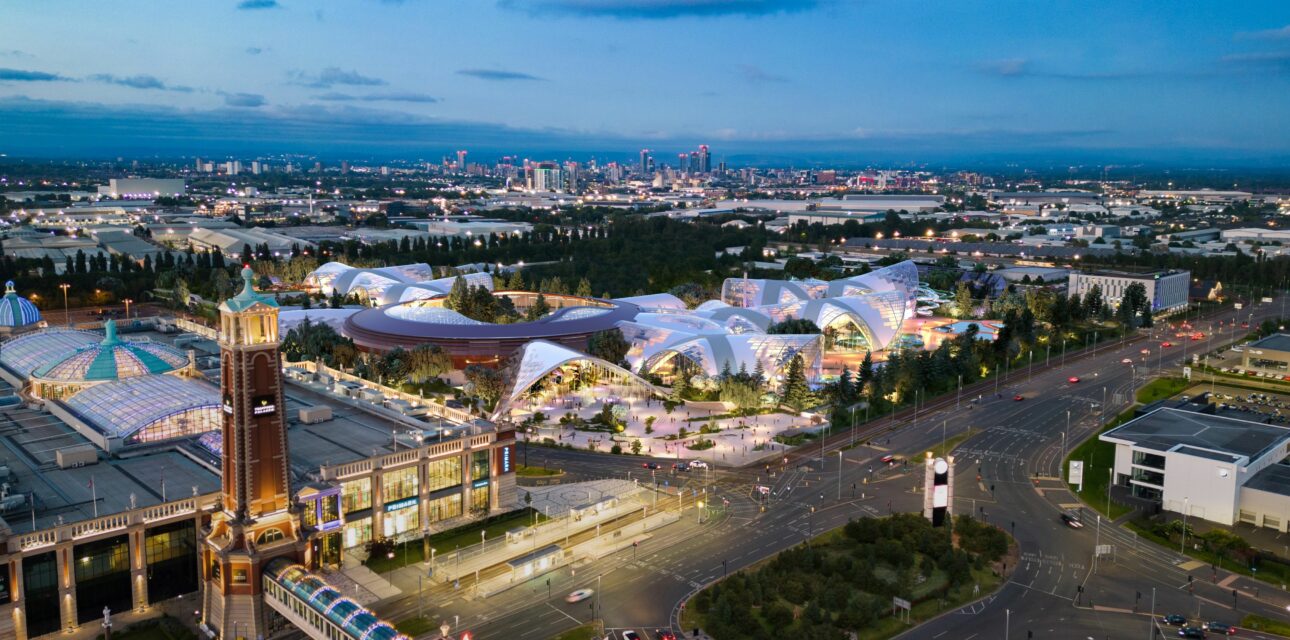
(1016, 448)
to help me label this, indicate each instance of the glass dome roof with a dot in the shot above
(113, 359)
(15, 310)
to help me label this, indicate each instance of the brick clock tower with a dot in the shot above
(257, 521)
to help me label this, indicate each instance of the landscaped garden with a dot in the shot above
(841, 584)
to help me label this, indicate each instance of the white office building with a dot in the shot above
(146, 188)
(1166, 290)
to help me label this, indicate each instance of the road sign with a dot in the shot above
(1076, 474)
(900, 603)
(1103, 550)
(1187, 372)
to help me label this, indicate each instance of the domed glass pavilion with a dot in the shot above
(17, 313)
(108, 360)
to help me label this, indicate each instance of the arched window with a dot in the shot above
(269, 536)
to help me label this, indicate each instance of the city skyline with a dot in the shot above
(828, 81)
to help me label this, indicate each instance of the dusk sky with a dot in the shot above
(821, 79)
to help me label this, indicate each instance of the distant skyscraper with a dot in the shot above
(696, 163)
(461, 161)
(344, 167)
(647, 163)
(705, 159)
(683, 163)
(546, 176)
(198, 167)
(256, 167)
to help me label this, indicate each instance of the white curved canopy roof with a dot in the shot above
(539, 357)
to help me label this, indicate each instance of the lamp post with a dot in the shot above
(67, 314)
(127, 308)
(1182, 545)
(107, 623)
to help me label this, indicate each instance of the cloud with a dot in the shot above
(394, 96)
(755, 74)
(248, 100)
(22, 75)
(657, 9)
(1024, 68)
(1263, 61)
(15, 53)
(254, 51)
(499, 75)
(1282, 33)
(139, 82)
(332, 76)
(251, 5)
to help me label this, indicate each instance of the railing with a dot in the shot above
(199, 329)
(434, 408)
(404, 457)
(112, 522)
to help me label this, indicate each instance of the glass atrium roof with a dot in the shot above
(112, 359)
(357, 622)
(123, 407)
(28, 351)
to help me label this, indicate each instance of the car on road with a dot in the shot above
(1018, 398)
(1127, 361)
(1245, 325)
(1073, 379)
(887, 459)
(631, 635)
(649, 465)
(1219, 627)
(680, 466)
(1174, 619)
(579, 595)
(664, 634)
(1191, 632)
(698, 464)
(1166, 344)
(1072, 521)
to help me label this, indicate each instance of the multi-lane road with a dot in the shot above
(1016, 448)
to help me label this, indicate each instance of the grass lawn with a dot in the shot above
(928, 609)
(584, 632)
(527, 471)
(448, 541)
(1259, 623)
(415, 626)
(1098, 458)
(939, 451)
(1274, 573)
(1162, 388)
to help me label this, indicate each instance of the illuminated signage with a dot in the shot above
(263, 406)
(939, 490)
(506, 459)
(480, 484)
(401, 504)
(228, 405)
(940, 496)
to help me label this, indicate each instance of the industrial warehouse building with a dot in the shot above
(1167, 291)
(1216, 468)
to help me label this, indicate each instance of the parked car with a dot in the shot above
(631, 635)
(664, 634)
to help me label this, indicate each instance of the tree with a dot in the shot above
(428, 361)
(793, 326)
(609, 345)
(584, 289)
(458, 296)
(866, 369)
(636, 447)
(538, 309)
(795, 393)
(516, 281)
(485, 383)
(1093, 301)
(963, 301)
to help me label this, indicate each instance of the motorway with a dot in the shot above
(1016, 447)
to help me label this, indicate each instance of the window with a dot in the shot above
(358, 532)
(270, 536)
(444, 508)
(310, 516)
(479, 465)
(171, 554)
(443, 473)
(329, 509)
(399, 484)
(102, 577)
(479, 498)
(356, 495)
(1145, 459)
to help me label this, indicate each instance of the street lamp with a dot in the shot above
(1182, 546)
(127, 308)
(67, 314)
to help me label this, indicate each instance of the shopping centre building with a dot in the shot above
(95, 515)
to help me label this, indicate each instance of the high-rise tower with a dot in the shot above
(256, 522)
